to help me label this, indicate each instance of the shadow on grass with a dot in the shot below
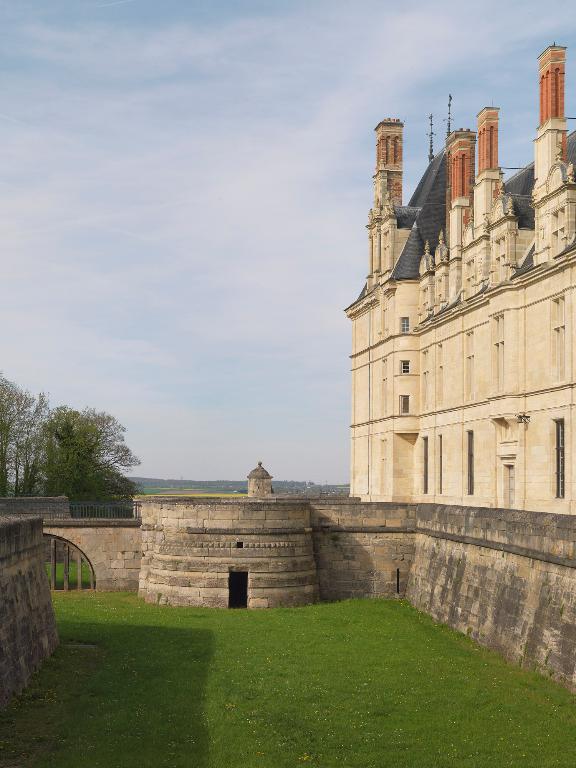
(114, 695)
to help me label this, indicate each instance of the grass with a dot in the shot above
(72, 577)
(361, 684)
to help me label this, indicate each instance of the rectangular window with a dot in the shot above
(425, 457)
(404, 325)
(470, 462)
(404, 366)
(510, 484)
(499, 351)
(424, 380)
(404, 404)
(440, 374)
(558, 338)
(384, 385)
(469, 384)
(440, 459)
(560, 459)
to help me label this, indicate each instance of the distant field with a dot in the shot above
(157, 491)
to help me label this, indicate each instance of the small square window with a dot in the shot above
(404, 366)
(404, 404)
(404, 325)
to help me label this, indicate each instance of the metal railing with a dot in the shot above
(108, 510)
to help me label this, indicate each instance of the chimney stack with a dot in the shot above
(461, 152)
(488, 139)
(388, 176)
(488, 178)
(551, 137)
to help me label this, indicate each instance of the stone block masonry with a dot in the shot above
(505, 577)
(113, 547)
(27, 625)
(362, 550)
(193, 548)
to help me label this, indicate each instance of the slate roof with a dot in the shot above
(425, 214)
(429, 199)
(527, 264)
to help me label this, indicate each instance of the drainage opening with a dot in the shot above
(239, 545)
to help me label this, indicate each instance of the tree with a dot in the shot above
(22, 419)
(85, 456)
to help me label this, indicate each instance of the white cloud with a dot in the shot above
(182, 208)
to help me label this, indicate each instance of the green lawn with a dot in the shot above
(72, 581)
(362, 684)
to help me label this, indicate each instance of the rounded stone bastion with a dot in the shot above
(227, 552)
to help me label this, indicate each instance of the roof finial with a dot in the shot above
(449, 123)
(431, 135)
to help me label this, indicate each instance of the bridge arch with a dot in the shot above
(67, 565)
(112, 548)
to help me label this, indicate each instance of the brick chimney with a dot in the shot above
(460, 152)
(488, 178)
(388, 175)
(551, 136)
(488, 139)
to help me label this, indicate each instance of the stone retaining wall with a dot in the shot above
(362, 549)
(507, 578)
(27, 626)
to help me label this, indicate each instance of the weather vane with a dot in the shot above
(449, 123)
(431, 135)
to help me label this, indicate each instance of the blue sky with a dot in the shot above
(183, 193)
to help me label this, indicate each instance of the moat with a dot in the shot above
(362, 683)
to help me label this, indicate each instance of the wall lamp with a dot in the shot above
(523, 418)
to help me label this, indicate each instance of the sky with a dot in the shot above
(184, 189)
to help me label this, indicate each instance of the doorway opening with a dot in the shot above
(238, 589)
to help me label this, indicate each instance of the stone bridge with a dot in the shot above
(113, 548)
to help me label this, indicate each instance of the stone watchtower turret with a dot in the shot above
(260, 482)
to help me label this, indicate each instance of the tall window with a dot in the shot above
(440, 460)
(558, 338)
(499, 350)
(385, 386)
(404, 366)
(425, 468)
(424, 380)
(439, 374)
(560, 459)
(469, 383)
(404, 404)
(404, 325)
(470, 462)
(557, 231)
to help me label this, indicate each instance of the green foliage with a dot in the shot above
(358, 684)
(85, 453)
(80, 454)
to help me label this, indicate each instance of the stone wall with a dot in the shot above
(27, 626)
(191, 545)
(113, 548)
(362, 550)
(37, 506)
(506, 578)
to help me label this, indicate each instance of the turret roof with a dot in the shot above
(260, 473)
